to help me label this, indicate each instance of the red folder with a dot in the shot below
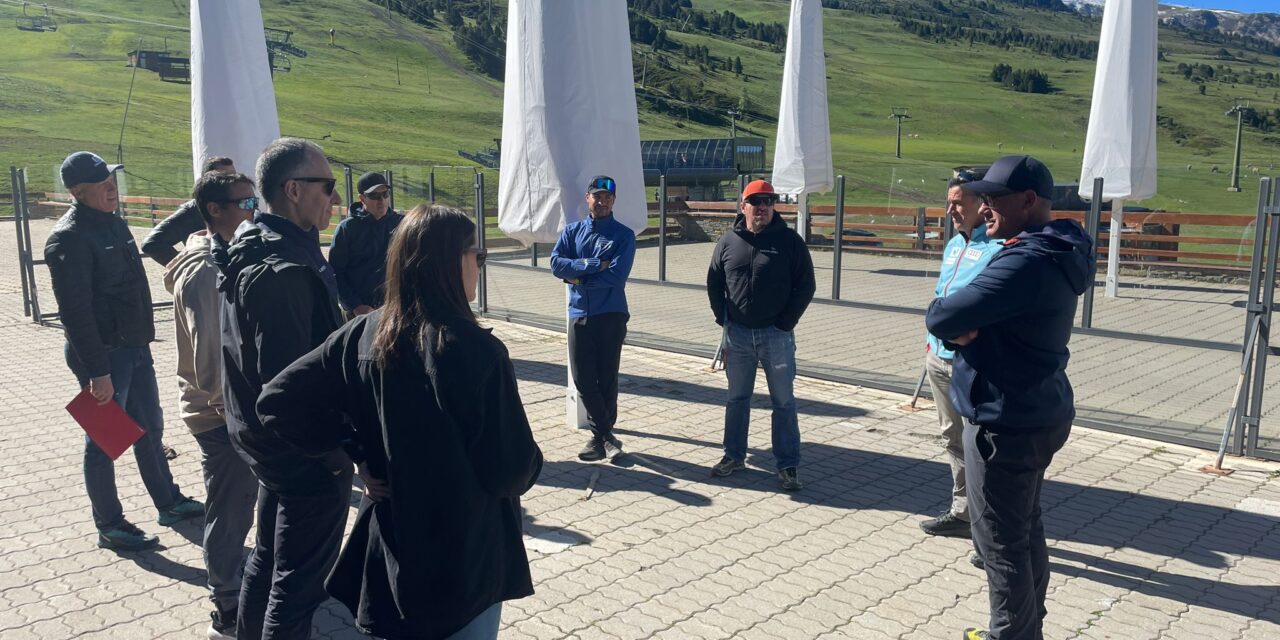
(107, 424)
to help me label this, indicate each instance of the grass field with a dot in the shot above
(67, 90)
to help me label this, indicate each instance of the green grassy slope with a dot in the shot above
(66, 90)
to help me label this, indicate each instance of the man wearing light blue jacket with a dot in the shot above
(594, 256)
(964, 257)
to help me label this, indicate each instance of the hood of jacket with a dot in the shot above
(254, 243)
(196, 249)
(1066, 244)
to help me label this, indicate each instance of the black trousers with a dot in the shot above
(595, 348)
(1004, 472)
(298, 539)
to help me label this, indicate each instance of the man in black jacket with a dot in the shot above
(104, 303)
(759, 283)
(359, 250)
(1010, 327)
(279, 302)
(186, 220)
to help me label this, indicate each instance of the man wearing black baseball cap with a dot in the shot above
(1009, 329)
(359, 250)
(104, 303)
(594, 256)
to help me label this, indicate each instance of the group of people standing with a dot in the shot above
(297, 372)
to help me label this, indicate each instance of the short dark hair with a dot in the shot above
(215, 163)
(215, 187)
(281, 161)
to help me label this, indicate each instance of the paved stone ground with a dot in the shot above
(1142, 545)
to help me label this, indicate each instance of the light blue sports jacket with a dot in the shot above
(962, 260)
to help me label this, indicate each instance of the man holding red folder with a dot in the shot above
(104, 303)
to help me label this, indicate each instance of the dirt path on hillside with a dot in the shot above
(436, 50)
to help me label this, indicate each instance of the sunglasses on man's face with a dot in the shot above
(247, 204)
(762, 201)
(604, 183)
(377, 195)
(966, 175)
(329, 183)
(481, 256)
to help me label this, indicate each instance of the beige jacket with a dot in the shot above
(192, 279)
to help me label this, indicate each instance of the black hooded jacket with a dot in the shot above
(760, 280)
(186, 220)
(447, 430)
(104, 300)
(1013, 375)
(277, 304)
(359, 256)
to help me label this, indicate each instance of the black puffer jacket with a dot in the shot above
(277, 305)
(158, 245)
(761, 279)
(448, 432)
(104, 300)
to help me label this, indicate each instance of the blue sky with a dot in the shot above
(1249, 6)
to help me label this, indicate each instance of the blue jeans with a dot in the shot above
(775, 350)
(133, 376)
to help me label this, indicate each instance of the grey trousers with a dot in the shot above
(228, 514)
(952, 424)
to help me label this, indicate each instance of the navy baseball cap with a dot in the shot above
(1014, 174)
(602, 183)
(83, 167)
(370, 181)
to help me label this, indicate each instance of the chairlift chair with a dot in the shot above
(37, 24)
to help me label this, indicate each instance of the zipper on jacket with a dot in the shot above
(947, 287)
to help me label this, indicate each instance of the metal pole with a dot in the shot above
(1253, 305)
(1091, 227)
(1250, 340)
(431, 187)
(1251, 421)
(742, 185)
(346, 175)
(837, 253)
(1235, 171)
(26, 242)
(898, 151)
(482, 297)
(391, 188)
(533, 254)
(22, 251)
(1113, 248)
(662, 228)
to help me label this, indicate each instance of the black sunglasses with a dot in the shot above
(966, 175)
(248, 204)
(481, 256)
(762, 201)
(377, 195)
(329, 183)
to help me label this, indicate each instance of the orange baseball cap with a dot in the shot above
(757, 186)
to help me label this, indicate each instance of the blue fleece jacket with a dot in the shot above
(1012, 376)
(962, 260)
(577, 257)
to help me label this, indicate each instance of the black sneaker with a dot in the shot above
(790, 479)
(976, 561)
(726, 466)
(594, 449)
(222, 625)
(947, 524)
(126, 537)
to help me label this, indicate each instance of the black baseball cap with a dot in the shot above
(1013, 174)
(602, 183)
(370, 181)
(83, 167)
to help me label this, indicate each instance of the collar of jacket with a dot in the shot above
(81, 208)
(287, 229)
(605, 221)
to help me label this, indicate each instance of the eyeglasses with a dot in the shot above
(329, 183)
(377, 195)
(248, 204)
(481, 256)
(966, 174)
(762, 201)
(603, 183)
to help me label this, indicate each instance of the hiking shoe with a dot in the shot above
(185, 509)
(947, 524)
(726, 466)
(790, 479)
(126, 537)
(169, 452)
(222, 625)
(612, 447)
(594, 449)
(974, 633)
(976, 561)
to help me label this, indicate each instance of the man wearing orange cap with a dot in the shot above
(759, 283)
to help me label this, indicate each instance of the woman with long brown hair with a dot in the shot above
(437, 546)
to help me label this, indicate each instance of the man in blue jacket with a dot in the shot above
(964, 257)
(358, 254)
(594, 256)
(1009, 328)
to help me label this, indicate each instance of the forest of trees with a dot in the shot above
(1005, 38)
(1024, 80)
